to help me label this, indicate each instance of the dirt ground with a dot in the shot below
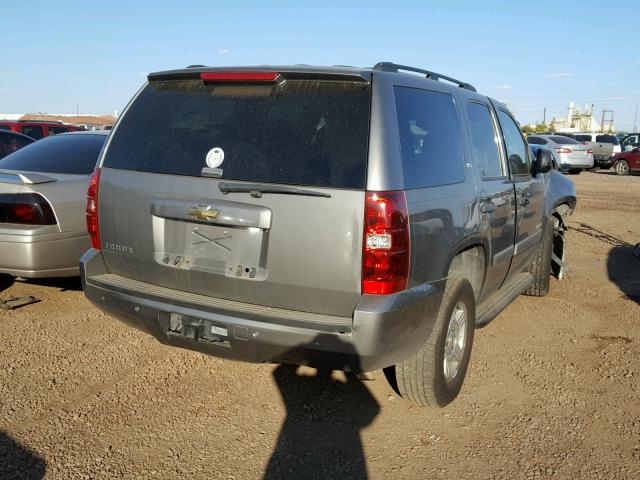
(552, 391)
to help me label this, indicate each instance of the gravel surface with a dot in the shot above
(552, 390)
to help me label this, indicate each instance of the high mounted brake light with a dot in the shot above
(239, 77)
(386, 247)
(92, 209)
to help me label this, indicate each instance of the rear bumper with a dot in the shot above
(33, 256)
(384, 330)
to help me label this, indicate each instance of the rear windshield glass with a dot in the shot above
(563, 140)
(71, 154)
(607, 139)
(583, 138)
(301, 132)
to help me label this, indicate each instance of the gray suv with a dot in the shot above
(342, 218)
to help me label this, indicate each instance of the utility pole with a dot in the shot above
(635, 118)
(544, 116)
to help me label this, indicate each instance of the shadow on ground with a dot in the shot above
(320, 436)
(623, 262)
(5, 282)
(17, 462)
(623, 267)
(64, 284)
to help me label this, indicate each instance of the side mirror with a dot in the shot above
(543, 161)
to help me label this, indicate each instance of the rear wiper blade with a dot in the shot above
(257, 189)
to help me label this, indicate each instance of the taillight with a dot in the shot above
(385, 250)
(590, 150)
(235, 77)
(26, 209)
(563, 150)
(92, 209)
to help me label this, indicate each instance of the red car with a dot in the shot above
(36, 129)
(627, 162)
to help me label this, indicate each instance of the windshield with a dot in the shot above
(70, 154)
(301, 132)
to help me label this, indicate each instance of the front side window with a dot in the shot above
(516, 147)
(430, 138)
(33, 131)
(484, 146)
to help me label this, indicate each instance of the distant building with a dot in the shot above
(88, 121)
(578, 120)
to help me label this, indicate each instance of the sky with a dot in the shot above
(93, 56)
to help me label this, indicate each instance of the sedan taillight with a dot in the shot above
(563, 150)
(92, 209)
(26, 209)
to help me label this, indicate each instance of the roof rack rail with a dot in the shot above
(393, 67)
(196, 66)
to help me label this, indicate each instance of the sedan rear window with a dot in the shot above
(300, 132)
(70, 154)
(564, 140)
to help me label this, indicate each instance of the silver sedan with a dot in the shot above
(43, 194)
(572, 156)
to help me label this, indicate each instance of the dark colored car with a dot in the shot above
(343, 218)
(10, 142)
(36, 129)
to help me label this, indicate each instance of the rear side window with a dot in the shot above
(483, 140)
(536, 141)
(56, 130)
(430, 138)
(607, 139)
(71, 154)
(301, 132)
(33, 131)
(516, 148)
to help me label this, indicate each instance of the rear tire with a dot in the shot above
(622, 167)
(433, 376)
(541, 266)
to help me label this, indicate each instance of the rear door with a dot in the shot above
(529, 204)
(185, 199)
(496, 191)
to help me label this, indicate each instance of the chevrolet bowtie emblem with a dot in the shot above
(202, 213)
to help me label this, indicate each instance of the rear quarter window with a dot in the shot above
(301, 132)
(430, 138)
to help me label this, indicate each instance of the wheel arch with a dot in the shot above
(469, 259)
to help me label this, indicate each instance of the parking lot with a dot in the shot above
(552, 389)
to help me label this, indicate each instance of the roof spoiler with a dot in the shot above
(24, 178)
